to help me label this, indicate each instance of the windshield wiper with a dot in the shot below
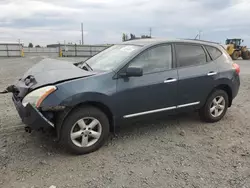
(88, 66)
(84, 65)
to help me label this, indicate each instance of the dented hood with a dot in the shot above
(50, 71)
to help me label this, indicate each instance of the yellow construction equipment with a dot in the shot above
(235, 50)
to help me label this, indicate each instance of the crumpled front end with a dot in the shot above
(36, 85)
(31, 116)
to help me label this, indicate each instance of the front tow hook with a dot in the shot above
(3, 92)
(9, 89)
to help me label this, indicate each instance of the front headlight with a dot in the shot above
(36, 97)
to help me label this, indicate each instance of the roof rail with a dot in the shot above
(204, 41)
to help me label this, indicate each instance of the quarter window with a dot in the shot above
(154, 59)
(214, 52)
(189, 55)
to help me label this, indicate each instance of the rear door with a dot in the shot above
(197, 74)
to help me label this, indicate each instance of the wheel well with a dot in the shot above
(103, 108)
(60, 116)
(228, 90)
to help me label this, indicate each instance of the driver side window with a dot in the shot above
(154, 59)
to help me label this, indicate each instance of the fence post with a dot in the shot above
(19, 44)
(7, 50)
(90, 51)
(75, 51)
(22, 52)
(60, 50)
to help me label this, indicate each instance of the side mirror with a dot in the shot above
(133, 72)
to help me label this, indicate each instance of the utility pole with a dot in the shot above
(82, 32)
(150, 31)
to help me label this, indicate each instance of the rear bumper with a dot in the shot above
(31, 116)
(236, 86)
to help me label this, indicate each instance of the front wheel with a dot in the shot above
(215, 107)
(85, 130)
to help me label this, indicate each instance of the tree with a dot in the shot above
(126, 37)
(123, 37)
(38, 46)
(30, 45)
(132, 36)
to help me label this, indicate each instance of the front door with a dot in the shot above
(153, 92)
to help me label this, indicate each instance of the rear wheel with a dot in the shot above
(246, 55)
(235, 55)
(85, 130)
(215, 107)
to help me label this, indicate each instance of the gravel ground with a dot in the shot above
(179, 151)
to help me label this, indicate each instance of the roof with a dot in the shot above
(146, 42)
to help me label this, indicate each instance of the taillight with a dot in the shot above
(236, 67)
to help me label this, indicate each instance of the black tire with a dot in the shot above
(205, 113)
(246, 55)
(72, 118)
(235, 55)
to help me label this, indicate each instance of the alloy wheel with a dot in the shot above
(86, 132)
(217, 106)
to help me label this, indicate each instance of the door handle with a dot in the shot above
(211, 73)
(169, 80)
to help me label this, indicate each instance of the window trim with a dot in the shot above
(205, 46)
(173, 59)
(191, 44)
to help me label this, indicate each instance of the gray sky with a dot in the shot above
(51, 21)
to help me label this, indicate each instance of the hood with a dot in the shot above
(50, 71)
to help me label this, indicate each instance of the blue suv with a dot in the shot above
(84, 101)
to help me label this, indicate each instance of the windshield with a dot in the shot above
(112, 57)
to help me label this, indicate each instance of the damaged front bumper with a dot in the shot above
(31, 116)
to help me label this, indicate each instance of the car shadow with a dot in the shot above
(131, 129)
(159, 122)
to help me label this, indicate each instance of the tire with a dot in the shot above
(246, 55)
(235, 55)
(89, 140)
(211, 117)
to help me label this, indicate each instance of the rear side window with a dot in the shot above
(214, 52)
(189, 55)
